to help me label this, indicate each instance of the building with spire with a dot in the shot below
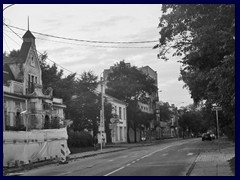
(25, 105)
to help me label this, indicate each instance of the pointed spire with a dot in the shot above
(28, 23)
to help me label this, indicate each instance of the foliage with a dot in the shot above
(108, 115)
(84, 108)
(137, 83)
(131, 85)
(79, 138)
(191, 121)
(51, 76)
(204, 36)
(165, 112)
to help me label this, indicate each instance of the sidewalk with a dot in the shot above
(215, 163)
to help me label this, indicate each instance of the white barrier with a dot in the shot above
(26, 147)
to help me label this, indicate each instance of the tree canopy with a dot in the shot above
(203, 35)
(131, 86)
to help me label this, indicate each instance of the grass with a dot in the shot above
(232, 164)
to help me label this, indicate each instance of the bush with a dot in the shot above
(79, 139)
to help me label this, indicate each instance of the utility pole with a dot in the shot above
(216, 108)
(102, 115)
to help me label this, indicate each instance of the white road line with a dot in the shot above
(145, 157)
(114, 171)
(189, 154)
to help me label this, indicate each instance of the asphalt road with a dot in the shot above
(168, 159)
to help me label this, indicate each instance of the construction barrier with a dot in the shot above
(20, 147)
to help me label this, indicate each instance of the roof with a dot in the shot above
(7, 74)
(24, 51)
(22, 55)
(28, 34)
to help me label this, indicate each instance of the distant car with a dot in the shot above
(213, 136)
(206, 136)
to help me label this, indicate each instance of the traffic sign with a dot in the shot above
(216, 108)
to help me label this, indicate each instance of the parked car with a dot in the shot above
(213, 136)
(206, 136)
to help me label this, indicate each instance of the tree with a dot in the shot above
(51, 76)
(204, 36)
(108, 115)
(165, 112)
(84, 108)
(130, 85)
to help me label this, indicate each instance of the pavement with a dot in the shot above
(208, 163)
(214, 162)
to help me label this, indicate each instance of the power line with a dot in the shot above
(97, 46)
(8, 7)
(88, 41)
(39, 52)
(6, 42)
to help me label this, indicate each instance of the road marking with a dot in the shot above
(164, 154)
(110, 160)
(114, 171)
(145, 157)
(189, 154)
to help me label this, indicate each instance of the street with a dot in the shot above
(169, 159)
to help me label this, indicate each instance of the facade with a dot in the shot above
(25, 106)
(118, 124)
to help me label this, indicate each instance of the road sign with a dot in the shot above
(216, 108)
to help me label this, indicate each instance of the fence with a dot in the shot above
(32, 146)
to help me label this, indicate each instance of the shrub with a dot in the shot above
(79, 139)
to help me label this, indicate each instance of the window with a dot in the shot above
(120, 112)
(32, 61)
(124, 113)
(36, 80)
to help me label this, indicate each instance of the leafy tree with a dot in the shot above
(108, 115)
(51, 76)
(130, 85)
(204, 36)
(165, 112)
(84, 109)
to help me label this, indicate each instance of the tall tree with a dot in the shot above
(204, 36)
(130, 85)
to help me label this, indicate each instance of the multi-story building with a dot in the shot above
(25, 105)
(118, 124)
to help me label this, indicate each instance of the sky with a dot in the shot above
(100, 22)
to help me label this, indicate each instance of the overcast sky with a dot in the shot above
(102, 22)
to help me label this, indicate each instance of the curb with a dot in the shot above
(192, 166)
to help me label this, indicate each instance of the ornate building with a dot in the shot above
(25, 105)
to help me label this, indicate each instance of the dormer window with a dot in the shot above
(32, 62)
